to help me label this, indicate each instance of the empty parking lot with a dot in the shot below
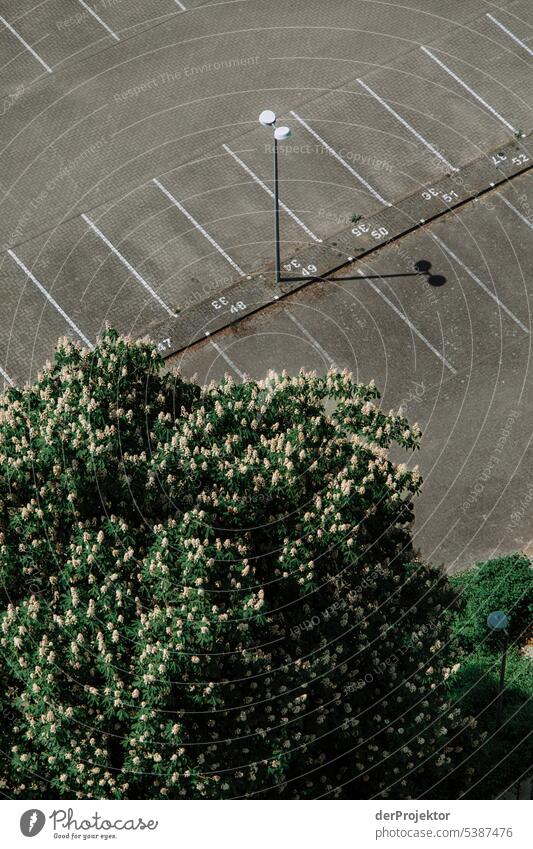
(136, 190)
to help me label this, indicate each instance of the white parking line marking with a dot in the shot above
(407, 126)
(340, 159)
(229, 361)
(199, 227)
(516, 211)
(26, 45)
(509, 33)
(470, 90)
(271, 193)
(128, 265)
(49, 298)
(311, 338)
(6, 377)
(479, 282)
(99, 19)
(410, 324)
(182, 7)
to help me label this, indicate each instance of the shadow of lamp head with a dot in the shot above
(423, 267)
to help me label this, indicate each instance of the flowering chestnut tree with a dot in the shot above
(211, 592)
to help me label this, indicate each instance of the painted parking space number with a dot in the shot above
(519, 159)
(377, 233)
(305, 271)
(223, 303)
(447, 197)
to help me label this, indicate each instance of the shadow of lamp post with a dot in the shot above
(268, 118)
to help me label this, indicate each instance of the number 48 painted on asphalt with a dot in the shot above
(222, 302)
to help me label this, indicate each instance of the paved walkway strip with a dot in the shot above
(271, 193)
(199, 227)
(49, 298)
(470, 90)
(340, 159)
(479, 177)
(128, 265)
(408, 126)
(26, 45)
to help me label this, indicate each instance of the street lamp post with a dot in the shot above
(268, 119)
(498, 621)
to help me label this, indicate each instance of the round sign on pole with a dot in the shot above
(497, 620)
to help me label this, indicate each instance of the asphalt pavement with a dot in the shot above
(136, 191)
(441, 320)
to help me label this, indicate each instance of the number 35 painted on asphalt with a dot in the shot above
(377, 233)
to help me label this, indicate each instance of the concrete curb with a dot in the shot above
(247, 296)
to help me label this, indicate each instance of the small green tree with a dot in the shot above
(506, 753)
(503, 583)
(213, 592)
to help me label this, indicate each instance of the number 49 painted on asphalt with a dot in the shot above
(294, 265)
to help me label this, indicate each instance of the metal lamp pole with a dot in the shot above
(276, 212)
(268, 118)
(499, 621)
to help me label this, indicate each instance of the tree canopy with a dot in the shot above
(212, 592)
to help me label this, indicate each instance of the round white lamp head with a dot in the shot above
(267, 118)
(497, 620)
(282, 133)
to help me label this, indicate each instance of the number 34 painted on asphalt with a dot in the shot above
(294, 265)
